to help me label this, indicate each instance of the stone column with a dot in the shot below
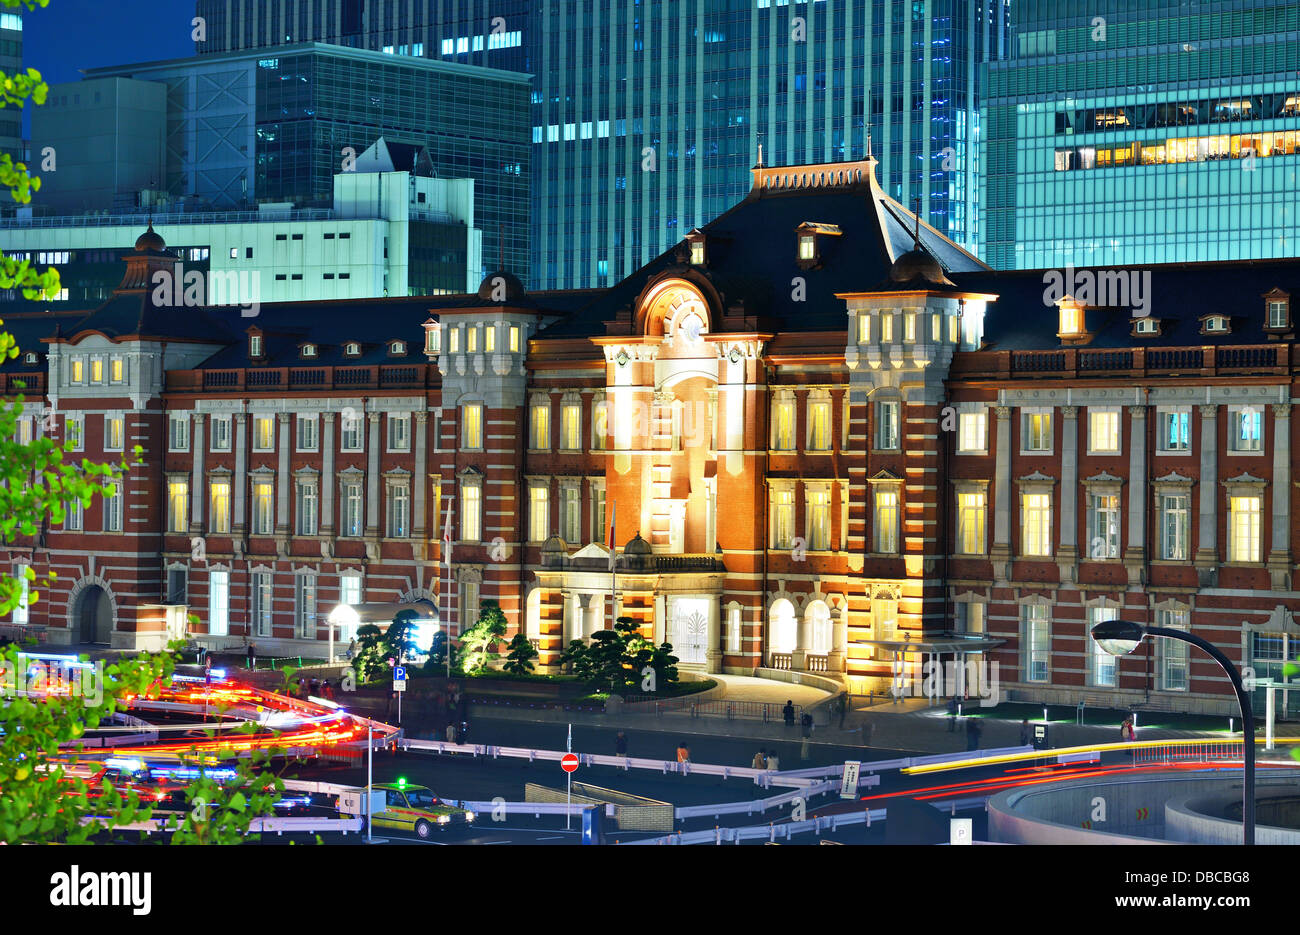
(1279, 557)
(420, 483)
(327, 485)
(1207, 551)
(1000, 552)
(839, 638)
(1067, 555)
(197, 487)
(713, 650)
(799, 656)
(373, 504)
(282, 489)
(240, 493)
(1135, 551)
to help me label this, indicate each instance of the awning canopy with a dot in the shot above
(949, 645)
(381, 614)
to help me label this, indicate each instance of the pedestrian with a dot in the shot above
(451, 732)
(620, 744)
(1026, 735)
(207, 671)
(952, 714)
(972, 734)
(305, 688)
(806, 722)
(315, 687)
(352, 648)
(788, 712)
(327, 688)
(252, 656)
(773, 761)
(683, 752)
(844, 709)
(760, 761)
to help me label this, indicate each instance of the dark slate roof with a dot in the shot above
(28, 328)
(751, 258)
(135, 313)
(1179, 294)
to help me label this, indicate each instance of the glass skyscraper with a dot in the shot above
(646, 116)
(1143, 131)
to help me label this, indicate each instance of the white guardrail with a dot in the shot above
(294, 823)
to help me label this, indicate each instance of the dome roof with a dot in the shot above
(150, 240)
(920, 265)
(501, 286)
(637, 546)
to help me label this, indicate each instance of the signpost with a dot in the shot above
(960, 830)
(569, 763)
(849, 786)
(399, 686)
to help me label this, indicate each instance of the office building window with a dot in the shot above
(571, 425)
(539, 512)
(818, 506)
(819, 425)
(783, 424)
(972, 432)
(1103, 431)
(471, 511)
(539, 424)
(263, 433)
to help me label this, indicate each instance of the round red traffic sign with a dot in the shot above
(569, 763)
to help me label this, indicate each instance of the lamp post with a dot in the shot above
(1121, 637)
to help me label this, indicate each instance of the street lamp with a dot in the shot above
(1121, 637)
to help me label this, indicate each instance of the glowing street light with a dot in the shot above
(1121, 637)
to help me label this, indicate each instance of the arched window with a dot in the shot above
(782, 624)
(533, 614)
(818, 618)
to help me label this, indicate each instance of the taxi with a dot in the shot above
(408, 807)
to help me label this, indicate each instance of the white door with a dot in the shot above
(688, 629)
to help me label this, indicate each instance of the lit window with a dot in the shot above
(1072, 320)
(539, 425)
(263, 433)
(819, 425)
(218, 603)
(453, 341)
(571, 426)
(783, 424)
(539, 512)
(1036, 430)
(78, 370)
(114, 432)
(97, 370)
(864, 328)
(219, 506)
(887, 425)
(885, 522)
(178, 505)
(1243, 528)
(514, 339)
(117, 370)
(1103, 430)
(570, 514)
(819, 520)
(909, 327)
(263, 503)
(887, 327)
(471, 512)
(807, 247)
(972, 432)
(970, 523)
(471, 340)
(397, 348)
(697, 252)
(490, 339)
(782, 518)
(471, 436)
(1036, 524)
(309, 350)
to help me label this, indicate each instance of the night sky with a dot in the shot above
(69, 35)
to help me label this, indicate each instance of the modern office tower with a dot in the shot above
(107, 139)
(247, 128)
(648, 116)
(11, 61)
(1143, 131)
(391, 230)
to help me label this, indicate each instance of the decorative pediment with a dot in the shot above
(306, 471)
(351, 472)
(1173, 477)
(398, 472)
(262, 469)
(884, 476)
(1103, 478)
(1036, 479)
(1245, 479)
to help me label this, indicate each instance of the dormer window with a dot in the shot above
(809, 242)
(29, 358)
(1146, 327)
(695, 247)
(1214, 324)
(309, 350)
(1073, 324)
(255, 347)
(1277, 311)
(352, 349)
(397, 348)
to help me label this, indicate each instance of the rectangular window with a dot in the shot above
(97, 370)
(571, 515)
(1102, 671)
(1036, 430)
(600, 424)
(599, 524)
(74, 516)
(1173, 665)
(74, 432)
(219, 506)
(1036, 640)
(471, 512)
(819, 425)
(1246, 429)
(221, 433)
(1173, 428)
(178, 505)
(1103, 431)
(1174, 526)
(218, 603)
(350, 428)
(178, 435)
(177, 585)
(304, 606)
(489, 339)
(117, 370)
(308, 433)
(399, 432)
(263, 508)
(21, 610)
(308, 508)
(262, 609)
(887, 425)
(1243, 529)
(1277, 317)
(783, 519)
(453, 341)
(968, 617)
(78, 374)
(783, 424)
(514, 339)
(887, 327)
(114, 433)
(885, 522)
(399, 511)
(864, 328)
(471, 437)
(819, 520)
(970, 523)
(263, 433)
(353, 517)
(972, 432)
(539, 512)
(571, 426)
(1036, 524)
(539, 425)
(1103, 526)
(113, 509)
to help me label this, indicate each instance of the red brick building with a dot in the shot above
(827, 438)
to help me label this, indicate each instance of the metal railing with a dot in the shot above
(1175, 751)
(1135, 362)
(182, 217)
(381, 376)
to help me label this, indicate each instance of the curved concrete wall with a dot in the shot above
(1202, 819)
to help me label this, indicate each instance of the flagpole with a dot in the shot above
(613, 566)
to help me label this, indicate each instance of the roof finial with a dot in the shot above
(869, 156)
(760, 155)
(916, 200)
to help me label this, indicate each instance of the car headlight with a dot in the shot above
(469, 816)
(443, 819)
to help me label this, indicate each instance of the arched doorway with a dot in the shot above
(781, 628)
(94, 615)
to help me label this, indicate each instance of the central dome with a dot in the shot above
(918, 264)
(150, 240)
(501, 286)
